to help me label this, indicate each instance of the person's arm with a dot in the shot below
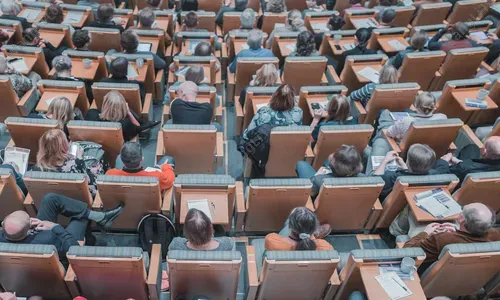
(232, 66)
(159, 63)
(270, 40)
(427, 241)
(167, 176)
(362, 93)
(398, 61)
(434, 43)
(389, 157)
(64, 238)
(441, 167)
(19, 178)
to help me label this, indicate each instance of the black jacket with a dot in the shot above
(356, 51)
(475, 166)
(257, 147)
(23, 21)
(110, 25)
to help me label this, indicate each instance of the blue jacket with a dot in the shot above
(261, 52)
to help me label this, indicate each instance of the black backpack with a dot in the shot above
(156, 229)
(256, 148)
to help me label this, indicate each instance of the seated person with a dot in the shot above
(420, 160)
(62, 65)
(301, 232)
(20, 83)
(386, 17)
(388, 75)
(305, 45)
(313, 6)
(417, 44)
(129, 41)
(345, 162)
(10, 10)
(19, 178)
(4, 37)
(105, 14)
(19, 228)
(147, 19)
(336, 113)
(334, 23)
(494, 52)
(199, 232)
(61, 110)
(230, 6)
(293, 23)
(115, 109)
(473, 160)
(81, 40)
(54, 15)
(459, 33)
(118, 68)
(202, 49)
(131, 156)
(189, 5)
(31, 38)
(361, 39)
(247, 21)
(255, 49)
(54, 156)
(194, 74)
(353, 5)
(281, 110)
(190, 23)
(266, 76)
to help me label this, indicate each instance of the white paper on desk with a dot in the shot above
(48, 101)
(279, 25)
(117, 20)
(18, 157)
(192, 45)
(393, 286)
(202, 205)
(396, 268)
(145, 47)
(30, 14)
(408, 2)
(73, 17)
(19, 65)
(377, 160)
(396, 45)
(433, 206)
(399, 115)
(131, 72)
(452, 206)
(479, 35)
(370, 74)
(348, 46)
(259, 106)
(151, 170)
(319, 26)
(364, 23)
(291, 47)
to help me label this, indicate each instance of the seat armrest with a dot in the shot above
(374, 214)
(160, 150)
(231, 85)
(159, 85)
(358, 111)
(147, 108)
(239, 118)
(97, 205)
(154, 275)
(487, 67)
(391, 142)
(167, 202)
(29, 206)
(253, 278)
(28, 102)
(165, 116)
(219, 114)
(70, 280)
(333, 75)
(219, 155)
(472, 136)
(333, 285)
(309, 155)
(310, 204)
(240, 207)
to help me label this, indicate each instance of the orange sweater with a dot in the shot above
(276, 242)
(166, 175)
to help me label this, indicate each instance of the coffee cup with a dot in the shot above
(408, 265)
(87, 63)
(139, 62)
(337, 37)
(482, 94)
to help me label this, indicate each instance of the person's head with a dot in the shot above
(119, 67)
(418, 40)
(131, 155)
(114, 107)
(267, 75)
(191, 20)
(54, 14)
(60, 109)
(335, 22)
(305, 43)
(188, 5)
(10, 7)
(476, 219)
(420, 159)
(31, 36)
(4, 37)
(16, 226)
(459, 31)
(146, 17)
(294, 20)
(354, 2)
(203, 49)
(81, 39)
(195, 74)
(346, 162)
(105, 13)
(387, 16)
(187, 91)
(240, 5)
(62, 64)
(388, 75)
(247, 18)
(338, 108)
(303, 223)
(255, 39)
(362, 37)
(198, 229)
(155, 4)
(276, 6)
(491, 148)
(425, 103)
(129, 41)
(283, 99)
(53, 149)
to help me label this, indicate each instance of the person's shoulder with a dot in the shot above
(274, 241)
(178, 243)
(296, 109)
(225, 243)
(115, 171)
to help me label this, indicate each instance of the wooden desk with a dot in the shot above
(55, 37)
(374, 290)
(363, 18)
(471, 114)
(162, 24)
(41, 14)
(142, 72)
(121, 19)
(284, 50)
(29, 60)
(358, 68)
(240, 45)
(319, 21)
(383, 41)
(341, 43)
(321, 99)
(421, 215)
(217, 203)
(82, 21)
(208, 77)
(42, 104)
(78, 70)
(9, 30)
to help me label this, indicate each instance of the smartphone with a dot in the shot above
(315, 106)
(338, 47)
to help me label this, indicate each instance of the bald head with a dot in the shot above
(477, 218)
(16, 225)
(188, 91)
(492, 148)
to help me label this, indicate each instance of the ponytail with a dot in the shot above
(305, 243)
(303, 224)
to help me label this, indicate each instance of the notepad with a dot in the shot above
(145, 47)
(245, 47)
(364, 23)
(370, 74)
(259, 106)
(393, 285)
(319, 26)
(348, 46)
(279, 25)
(18, 157)
(30, 14)
(73, 17)
(132, 72)
(437, 203)
(479, 35)
(202, 205)
(291, 47)
(19, 65)
(396, 268)
(396, 44)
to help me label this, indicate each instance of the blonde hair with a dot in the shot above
(267, 75)
(61, 110)
(388, 74)
(114, 107)
(425, 103)
(294, 19)
(53, 149)
(338, 108)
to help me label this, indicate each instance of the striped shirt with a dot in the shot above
(364, 94)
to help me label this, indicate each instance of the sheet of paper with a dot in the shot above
(30, 14)
(279, 25)
(396, 44)
(370, 74)
(323, 104)
(18, 157)
(182, 71)
(73, 17)
(145, 47)
(433, 206)
(479, 35)
(19, 65)
(393, 286)
(202, 205)
(364, 23)
(348, 46)
(131, 72)
(192, 45)
(399, 115)
(450, 203)
(150, 169)
(319, 26)
(291, 47)
(259, 106)
(48, 101)
(377, 160)
(387, 268)
(408, 2)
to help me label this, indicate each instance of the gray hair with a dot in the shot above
(62, 63)
(146, 17)
(247, 18)
(420, 159)
(131, 155)
(477, 221)
(10, 7)
(254, 40)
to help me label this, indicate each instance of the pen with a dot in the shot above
(213, 208)
(400, 285)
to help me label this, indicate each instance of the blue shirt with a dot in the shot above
(261, 52)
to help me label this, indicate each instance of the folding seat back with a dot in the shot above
(395, 202)
(232, 21)
(77, 15)
(459, 64)
(468, 10)
(431, 13)
(317, 20)
(404, 14)
(330, 47)
(430, 30)
(207, 62)
(12, 106)
(382, 36)
(455, 260)
(351, 15)
(480, 187)
(240, 37)
(247, 67)
(188, 40)
(394, 97)
(104, 39)
(11, 196)
(14, 27)
(146, 74)
(126, 15)
(56, 34)
(300, 71)
(130, 91)
(209, 5)
(256, 96)
(156, 37)
(140, 196)
(310, 94)
(330, 139)
(33, 57)
(347, 203)
(483, 25)
(354, 64)
(96, 57)
(29, 269)
(107, 134)
(296, 4)
(33, 11)
(270, 201)
(165, 20)
(213, 274)
(269, 21)
(420, 67)
(26, 132)
(350, 275)
(206, 19)
(276, 269)
(288, 145)
(74, 90)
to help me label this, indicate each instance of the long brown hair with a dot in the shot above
(61, 110)
(338, 108)
(283, 99)
(53, 149)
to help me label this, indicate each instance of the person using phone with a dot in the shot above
(459, 38)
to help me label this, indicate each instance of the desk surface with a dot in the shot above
(460, 96)
(384, 43)
(52, 36)
(43, 106)
(217, 203)
(355, 18)
(29, 60)
(358, 68)
(420, 214)
(150, 39)
(82, 20)
(341, 43)
(78, 70)
(319, 21)
(374, 290)
(9, 30)
(284, 44)
(321, 99)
